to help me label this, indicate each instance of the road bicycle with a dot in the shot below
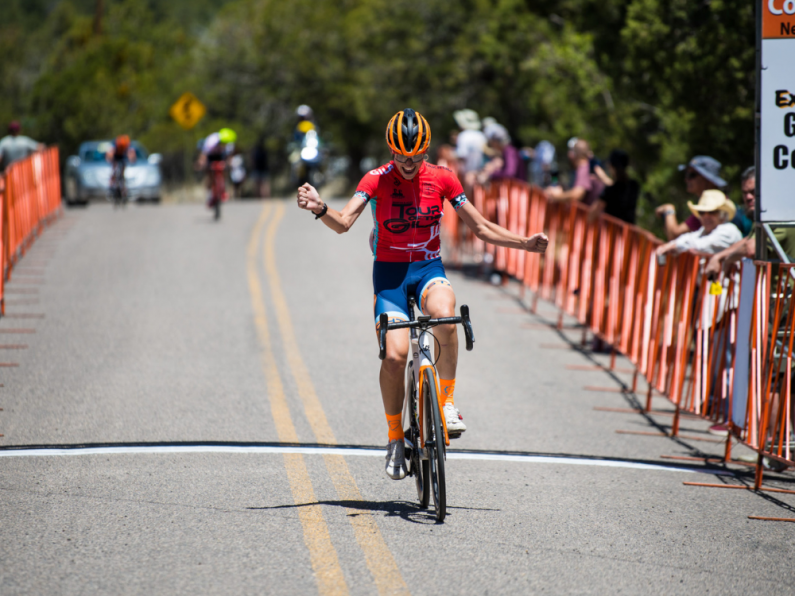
(217, 187)
(426, 439)
(118, 186)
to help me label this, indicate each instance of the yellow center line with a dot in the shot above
(322, 554)
(378, 557)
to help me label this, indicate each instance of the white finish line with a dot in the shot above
(278, 450)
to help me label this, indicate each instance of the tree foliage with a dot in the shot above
(664, 79)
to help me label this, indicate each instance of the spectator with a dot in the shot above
(587, 186)
(619, 199)
(508, 163)
(470, 141)
(543, 167)
(701, 173)
(746, 247)
(594, 165)
(259, 162)
(716, 233)
(744, 219)
(15, 146)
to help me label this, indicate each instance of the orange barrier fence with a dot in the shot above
(763, 417)
(682, 332)
(30, 197)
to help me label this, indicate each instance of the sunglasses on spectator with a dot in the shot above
(691, 174)
(404, 159)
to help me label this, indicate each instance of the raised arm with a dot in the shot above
(497, 235)
(339, 221)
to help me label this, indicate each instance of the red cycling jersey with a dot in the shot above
(406, 213)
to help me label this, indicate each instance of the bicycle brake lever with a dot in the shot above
(383, 324)
(468, 333)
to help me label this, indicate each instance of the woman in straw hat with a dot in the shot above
(717, 233)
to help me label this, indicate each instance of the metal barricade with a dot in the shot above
(31, 198)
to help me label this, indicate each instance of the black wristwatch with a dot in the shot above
(322, 211)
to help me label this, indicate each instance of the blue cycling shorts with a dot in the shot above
(394, 282)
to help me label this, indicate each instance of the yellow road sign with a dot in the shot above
(187, 111)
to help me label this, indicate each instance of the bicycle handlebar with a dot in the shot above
(425, 322)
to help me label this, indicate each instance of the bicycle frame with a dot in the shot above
(217, 180)
(421, 354)
(118, 184)
(422, 359)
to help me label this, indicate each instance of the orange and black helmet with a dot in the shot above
(122, 142)
(408, 133)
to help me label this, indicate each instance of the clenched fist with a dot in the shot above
(537, 243)
(308, 198)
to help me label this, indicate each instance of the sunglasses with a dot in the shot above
(404, 159)
(691, 174)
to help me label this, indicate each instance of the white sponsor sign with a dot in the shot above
(777, 142)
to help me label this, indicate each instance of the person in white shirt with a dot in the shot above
(16, 146)
(471, 141)
(715, 211)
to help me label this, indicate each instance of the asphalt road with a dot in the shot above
(180, 342)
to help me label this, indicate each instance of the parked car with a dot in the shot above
(88, 174)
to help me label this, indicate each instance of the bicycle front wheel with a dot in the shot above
(434, 443)
(419, 466)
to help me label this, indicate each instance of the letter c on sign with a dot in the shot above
(771, 6)
(789, 124)
(780, 154)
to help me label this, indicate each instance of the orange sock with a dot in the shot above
(447, 390)
(395, 426)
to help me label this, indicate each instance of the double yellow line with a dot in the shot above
(323, 555)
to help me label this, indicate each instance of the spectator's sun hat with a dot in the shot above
(712, 200)
(497, 132)
(571, 142)
(488, 121)
(708, 167)
(467, 119)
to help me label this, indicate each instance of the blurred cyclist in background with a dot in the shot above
(305, 153)
(216, 150)
(119, 155)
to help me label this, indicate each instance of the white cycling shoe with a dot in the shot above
(453, 420)
(396, 467)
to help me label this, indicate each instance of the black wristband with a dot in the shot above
(322, 211)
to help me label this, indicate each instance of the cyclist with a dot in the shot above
(406, 197)
(119, 155)
(216, 149)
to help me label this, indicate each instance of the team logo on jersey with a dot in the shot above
(410, 217)
(397, 194)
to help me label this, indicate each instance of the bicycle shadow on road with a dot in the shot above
(406, 510)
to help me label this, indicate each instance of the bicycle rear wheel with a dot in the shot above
(434, 444)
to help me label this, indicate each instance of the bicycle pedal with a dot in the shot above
(451, 435)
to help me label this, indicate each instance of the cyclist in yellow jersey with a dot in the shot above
(406, 197)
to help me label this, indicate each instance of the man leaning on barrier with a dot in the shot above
(16, 146)
(587, 186)
(702, 173)
(746, 247)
